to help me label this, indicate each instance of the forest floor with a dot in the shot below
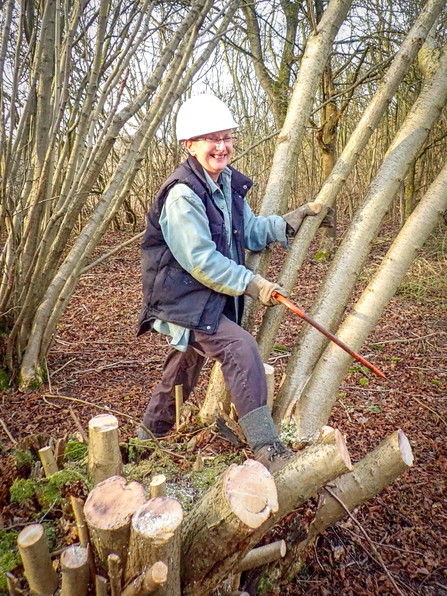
(97, 364)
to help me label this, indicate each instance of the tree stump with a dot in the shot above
(240, 501)
(75, 571)
(155, 536)
(104, 455)
(108, 511)
(157, 486)
(216, 392)
(39, 572)
(48, 461)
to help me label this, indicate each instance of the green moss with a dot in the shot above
(46, 490)
(288, 432)
(23, 459)
(75, 451)
(9, 556)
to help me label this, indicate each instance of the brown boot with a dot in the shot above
(274, 456)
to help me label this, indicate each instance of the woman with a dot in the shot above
(194, 277)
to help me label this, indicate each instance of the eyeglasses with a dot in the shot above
(226, 140)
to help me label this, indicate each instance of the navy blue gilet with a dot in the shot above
(170, 293)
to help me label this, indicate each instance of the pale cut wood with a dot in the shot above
(48, 462)
(115, 574)
(75, 571)
(108, 512)
(270, 378)
(155, 536)
(78, 511)
(157, 486)
(149, 581)
(101, 585)
(213, 549)
(104, 455)
(217, 392)
(262, 556)
(39, 572)
(241, 500)
(178, 405)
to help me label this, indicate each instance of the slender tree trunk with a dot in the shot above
(343, 274)
(319, 395)
(340, 172)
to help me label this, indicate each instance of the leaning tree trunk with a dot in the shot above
(352, 253)
(340, 172)
(319, 395)
(318, 48)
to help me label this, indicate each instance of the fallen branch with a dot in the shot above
(7, 432)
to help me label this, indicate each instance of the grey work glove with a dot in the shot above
(295, 218)
(261, 289)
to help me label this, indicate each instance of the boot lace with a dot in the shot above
(277, 449)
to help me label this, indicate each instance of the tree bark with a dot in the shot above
(104, 455)
(378, 469)
(318, 397)
(343, 167)
(108, 512)
(149, 581)
(155, 536)
(39, 572)
(75, 571)
(216, 537)
(351, 255)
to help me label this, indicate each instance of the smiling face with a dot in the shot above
(213, 151)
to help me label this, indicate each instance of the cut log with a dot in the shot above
(370, 476)
(270, 378)
(75, 571)
(108, 512)
(262, 555)
(149, 581)
(157, 486)
(155, 536)
(104, 455)
(39, 572)
(239, 502)
(48, 462)
(212, 553)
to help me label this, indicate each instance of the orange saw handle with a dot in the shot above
(325, 332)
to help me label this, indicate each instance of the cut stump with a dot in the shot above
(108, 512)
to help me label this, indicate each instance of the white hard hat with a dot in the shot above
(203, 114)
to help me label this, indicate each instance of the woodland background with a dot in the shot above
(89, 94)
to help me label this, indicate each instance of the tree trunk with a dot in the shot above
(108, 512)
(75, 571)
(318, 397)
(104, 455)
(340, 172)
(351, 255)
(379, 468)
(155, 536)
(36, 560)
(221, 529)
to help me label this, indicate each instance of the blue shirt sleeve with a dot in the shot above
(260, 231)
(185, 227)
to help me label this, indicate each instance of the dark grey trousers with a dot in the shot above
(242, 368)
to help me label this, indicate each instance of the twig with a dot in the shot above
(370, 542)
(104, 367)
(5, 428)
(428, 408)
(63, 366)
(78, 424)
(405, 340)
